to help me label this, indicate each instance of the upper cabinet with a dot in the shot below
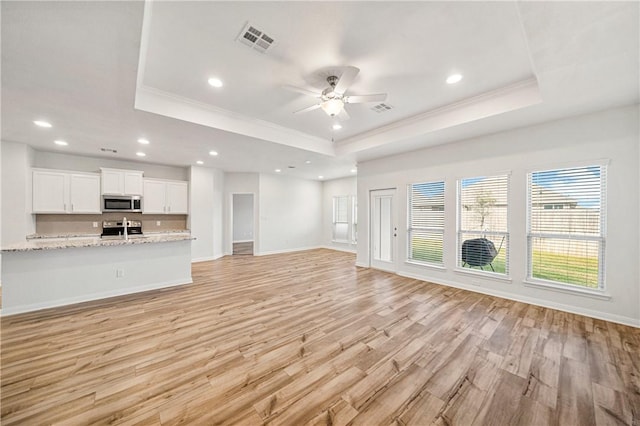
(165, 196)
(121, 182)
(57, 191)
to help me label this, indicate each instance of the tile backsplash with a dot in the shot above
(56, 224)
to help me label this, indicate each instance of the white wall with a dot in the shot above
(611, 135)
(242, 217)
(17, 220)
(218, 213)
(54, 160)
(335, 188)
(290, 214)
(205, 213)
(240, 183)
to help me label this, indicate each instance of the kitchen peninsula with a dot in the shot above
(49, 272)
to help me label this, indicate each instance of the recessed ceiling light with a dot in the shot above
(41, 123)
(337, 127)
(454, 78)
(143, 141)
(354, 170)
(199, 162)
(141, 154)
(320, 177)
(61, 143)
(278, 170)
(213, 153)
(307, 162)
(215, 82)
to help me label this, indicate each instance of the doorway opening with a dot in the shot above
(242, 224)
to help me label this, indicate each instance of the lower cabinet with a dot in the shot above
(65, 192)
(165, 197)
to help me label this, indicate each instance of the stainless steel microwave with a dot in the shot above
(121, 203)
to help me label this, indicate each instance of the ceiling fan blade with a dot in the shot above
(303, 91)
(358, 99)
(311, 108)
(346, 79)
(343, 115)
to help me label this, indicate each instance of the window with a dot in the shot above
(566, 242)
(426, 222)
(483, 232)
(341, 219)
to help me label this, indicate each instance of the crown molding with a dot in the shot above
(508, 98)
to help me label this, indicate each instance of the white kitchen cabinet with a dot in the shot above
(155, 196)
(84, 193)
(121, 182)
(165, 197)
(49, 191)
(177, 197)
(56, 191)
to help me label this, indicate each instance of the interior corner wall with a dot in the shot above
(205, 213)
(17, 219)
(335, 188)
(290, 214)
(612, 135)
(240, 183)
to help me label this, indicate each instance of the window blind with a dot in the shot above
(483, 228)
(566, 232)
(426, 222)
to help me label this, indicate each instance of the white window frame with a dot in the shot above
(502, 234)
(437, 230)
(601, 239)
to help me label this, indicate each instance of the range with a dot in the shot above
(124, 227)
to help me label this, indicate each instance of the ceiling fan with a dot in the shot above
(333, 99)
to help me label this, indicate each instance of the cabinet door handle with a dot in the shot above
(169, 209)
(65, 207)
(72, 207)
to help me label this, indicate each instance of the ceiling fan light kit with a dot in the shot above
(332, 106)
(333, 99)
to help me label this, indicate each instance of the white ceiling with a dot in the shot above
(106, 73)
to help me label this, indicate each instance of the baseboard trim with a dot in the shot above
(243, 241)
(361, 264)
(206, 259)
(92, 297)
(346, 250)
(531, 301)
(267, 253)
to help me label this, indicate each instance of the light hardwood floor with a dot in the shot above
(308, 338)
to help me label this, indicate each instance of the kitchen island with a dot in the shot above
(44, 273)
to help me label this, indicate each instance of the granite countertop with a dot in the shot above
(58, 242)
(97, 235)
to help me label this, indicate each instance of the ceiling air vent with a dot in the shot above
(255, 38)
(381, 108)
(111, 150)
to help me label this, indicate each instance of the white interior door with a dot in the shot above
(384, 230)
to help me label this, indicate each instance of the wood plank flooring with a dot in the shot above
(308, 338)
(243, 248)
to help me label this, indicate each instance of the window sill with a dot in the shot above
(425, 265)
(595, 294)
(484, 274)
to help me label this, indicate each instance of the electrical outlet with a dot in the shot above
(157, 223)
(119, 273)
(95, 224)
